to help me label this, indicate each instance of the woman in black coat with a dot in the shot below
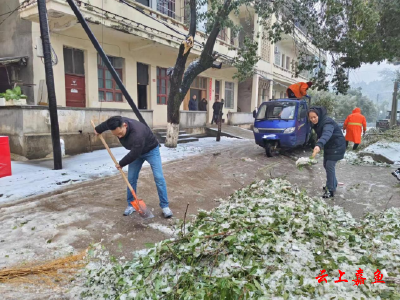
(331, 139)
(203, 105)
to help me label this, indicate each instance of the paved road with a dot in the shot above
(71, 219)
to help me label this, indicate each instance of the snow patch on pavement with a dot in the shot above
(389, 150)
(37, 177)
(162, 228)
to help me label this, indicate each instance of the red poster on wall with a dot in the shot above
(210, 90)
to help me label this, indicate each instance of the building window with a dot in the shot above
(166, 7)
(109, 91)
(287, 63)
(233, 38)
(262, 93)
(277, 56)
(222, 34)
(73, 61)
(229, 95)
(199, 83)
(163, 86)
(217, 90)
(144, 2)
(283, 61)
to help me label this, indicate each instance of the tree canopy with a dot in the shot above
(340, 106)
(351, 32)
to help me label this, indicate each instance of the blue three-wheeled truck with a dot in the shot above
(282, 124)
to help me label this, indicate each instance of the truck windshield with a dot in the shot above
(277, 111)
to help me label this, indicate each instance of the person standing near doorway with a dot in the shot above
(203, 105)
(193, 104)
(216, 108)
(354, 125)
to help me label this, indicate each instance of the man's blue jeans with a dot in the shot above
(153, 157)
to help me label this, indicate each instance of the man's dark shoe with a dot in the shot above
(328, 194)
(324, 188)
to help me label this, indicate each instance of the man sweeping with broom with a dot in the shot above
(143, 146)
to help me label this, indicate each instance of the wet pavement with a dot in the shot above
(74, 217)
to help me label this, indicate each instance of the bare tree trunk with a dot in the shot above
(176, 95)
(180, 80)
(219, 122)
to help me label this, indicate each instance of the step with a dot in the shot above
(163, 130)
(183, 140)
(180, 135)
(187, 140)
(165, 133)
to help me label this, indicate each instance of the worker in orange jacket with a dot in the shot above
(298, 90)
(354, 125)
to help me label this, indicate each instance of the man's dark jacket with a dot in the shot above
(330, 136)
(216, 108)
(193, 105)
(203, 105)
(139, 139)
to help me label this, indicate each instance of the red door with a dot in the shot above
(74, 68)
(75, 90)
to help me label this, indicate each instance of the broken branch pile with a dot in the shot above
(48, 272)
(375, 135)
(267, 241)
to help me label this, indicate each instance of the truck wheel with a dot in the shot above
(270, 149)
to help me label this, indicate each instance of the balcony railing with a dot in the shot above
(166, 7)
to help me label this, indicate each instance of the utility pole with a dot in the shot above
(220, 121)
(393, 114)
(48, 66)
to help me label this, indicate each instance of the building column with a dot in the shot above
(271, 86)
(254, 92)
(211, 100)
(130, 78)
(153, 88)
(92, 94)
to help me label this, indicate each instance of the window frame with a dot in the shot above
(231, 103)
(219, 89)
(159, 86)
(73, 50)
(288, 63)
(222, 35)
(277, 58)
(114, 90)
(167, 7)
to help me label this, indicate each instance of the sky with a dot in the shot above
(370, 72)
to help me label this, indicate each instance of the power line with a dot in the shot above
(138, 24)
(13, 11)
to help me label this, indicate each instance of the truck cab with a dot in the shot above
(283, 124)
(384, 124)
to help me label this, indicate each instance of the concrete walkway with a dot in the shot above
(233, 131)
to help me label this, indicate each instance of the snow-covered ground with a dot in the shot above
(389, 150)
(37, 177)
